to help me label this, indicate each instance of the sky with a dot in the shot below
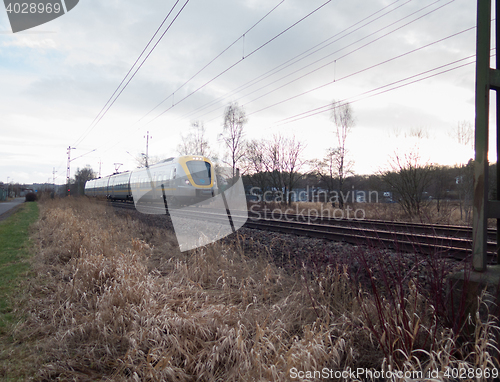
(403, 65)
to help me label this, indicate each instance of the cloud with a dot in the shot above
(24, 42)
(58, 82)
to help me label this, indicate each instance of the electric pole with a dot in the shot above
(147, 148)
(68, 170)
(54, 179)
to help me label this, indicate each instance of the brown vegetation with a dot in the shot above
(115, 299)
(448, 213)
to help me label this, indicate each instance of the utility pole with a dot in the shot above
(100, 163)
(54, 179)
(68, 173)
(147, 148)
(487, 79)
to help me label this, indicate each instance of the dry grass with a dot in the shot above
(449, 212)
(115, 299)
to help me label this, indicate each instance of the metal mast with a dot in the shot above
(486, 79)
(68, 172)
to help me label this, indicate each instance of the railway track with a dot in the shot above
(418, 228)
(452, 241)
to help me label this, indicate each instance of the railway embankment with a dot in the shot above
(112, 297)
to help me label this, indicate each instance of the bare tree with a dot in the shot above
(195, 141)
(441, 184)
(465, 188)
(143, 161)
(273, 162)
(293, 163)
(254, 164)
(417, 132)
(333, 169)
(464, 134)
(233, 135)
(408, 177)
(343, 118)
(326, 169)
(283, 161)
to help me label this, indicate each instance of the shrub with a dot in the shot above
(31, 197)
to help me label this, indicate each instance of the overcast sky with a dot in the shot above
(56, 78)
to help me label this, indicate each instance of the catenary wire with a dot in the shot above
(298, 55)
(297, 58)
(333, 61)
(233, 65)
(237, 62)
(138, 68)
(89, 130)
(211, 61)
(329, 107)
(358, 72)
(405, 85)
(126, 75)
(348, 53)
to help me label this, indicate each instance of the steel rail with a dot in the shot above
(422, 228)
(451, 241)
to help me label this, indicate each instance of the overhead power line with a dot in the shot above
(355, 73)
(276, 69)
(112, 100)
(211, 61)
(325, 108)
(366, 94)
(298, 57)
(237, 62)
(352, 51)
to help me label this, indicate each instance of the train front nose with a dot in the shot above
(204, 194)
(200, 173)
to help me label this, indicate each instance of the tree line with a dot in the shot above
(277, 164)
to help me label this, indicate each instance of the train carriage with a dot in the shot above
(184, 180)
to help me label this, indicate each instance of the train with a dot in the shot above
(180, 180)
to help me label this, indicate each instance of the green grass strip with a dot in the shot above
(14, 254)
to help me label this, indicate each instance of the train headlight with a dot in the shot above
(187, 181)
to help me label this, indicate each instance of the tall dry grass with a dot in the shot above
(115, 299)
(448, 212)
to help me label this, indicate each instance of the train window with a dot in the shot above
(200, 172)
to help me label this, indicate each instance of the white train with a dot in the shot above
(183, 180)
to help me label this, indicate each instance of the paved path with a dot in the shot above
(6, 206)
